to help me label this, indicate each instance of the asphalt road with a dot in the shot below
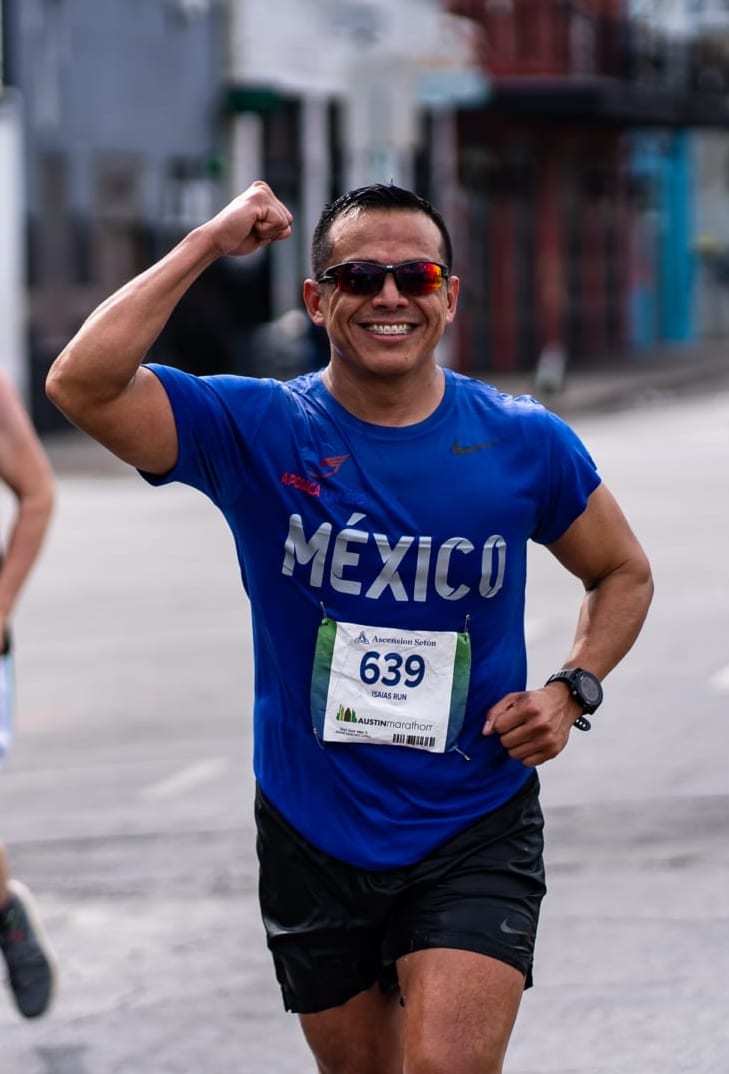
(127, 803)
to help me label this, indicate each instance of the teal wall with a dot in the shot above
(661, 307)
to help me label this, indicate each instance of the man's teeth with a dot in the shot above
(389, 329)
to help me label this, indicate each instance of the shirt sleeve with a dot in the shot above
(217, 419)
(569, 477)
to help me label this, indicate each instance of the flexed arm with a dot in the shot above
(97, 382)
(603, 552)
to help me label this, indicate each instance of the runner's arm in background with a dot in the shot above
(97, 381)
(26, 471)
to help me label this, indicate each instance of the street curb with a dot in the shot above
(618, 387)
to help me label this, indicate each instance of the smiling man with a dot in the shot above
(381, 510)
(385, 303)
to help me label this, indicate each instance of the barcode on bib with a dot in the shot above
(424, 741)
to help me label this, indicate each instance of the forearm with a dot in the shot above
(100, 362)
(610, 618)
(24, 544)
(601, 550)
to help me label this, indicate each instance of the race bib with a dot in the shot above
(389, 687)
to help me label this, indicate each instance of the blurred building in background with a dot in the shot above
(122, 126)
(326, 95)
(140, 117)
(580, 176)
(579, 150)
(681, 175)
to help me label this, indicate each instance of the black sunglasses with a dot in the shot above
(413, 278)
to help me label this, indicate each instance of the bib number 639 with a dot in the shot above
(391, 669)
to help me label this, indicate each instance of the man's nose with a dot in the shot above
(389, 293)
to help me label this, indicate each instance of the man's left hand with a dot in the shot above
(533, 725)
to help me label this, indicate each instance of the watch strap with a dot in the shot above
(568, 676)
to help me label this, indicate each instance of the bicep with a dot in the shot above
(138, 426)
(599, 542)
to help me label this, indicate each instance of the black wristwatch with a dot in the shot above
(584, 686)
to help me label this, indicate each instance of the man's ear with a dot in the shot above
(454, 286)
(313, 302)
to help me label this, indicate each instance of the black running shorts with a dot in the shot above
(335, 930)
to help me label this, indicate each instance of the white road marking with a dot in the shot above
(720, 680)
(184, 780)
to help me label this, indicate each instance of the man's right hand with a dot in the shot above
(252, 220)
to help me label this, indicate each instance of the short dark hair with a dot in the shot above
(385, 196)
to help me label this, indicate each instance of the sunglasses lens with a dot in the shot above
(419, 278)
(359, 278)
(415, 278)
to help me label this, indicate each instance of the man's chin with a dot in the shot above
(390, 366)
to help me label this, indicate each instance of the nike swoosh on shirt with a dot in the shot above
(468, 449)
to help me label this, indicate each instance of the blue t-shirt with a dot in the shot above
(423, 527)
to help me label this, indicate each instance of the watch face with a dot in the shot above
(590, 689)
